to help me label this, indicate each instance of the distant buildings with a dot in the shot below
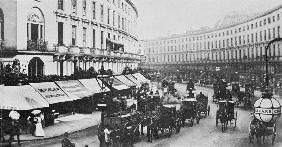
(56, 36)
(237, 44)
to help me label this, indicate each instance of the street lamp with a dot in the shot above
(267, 108)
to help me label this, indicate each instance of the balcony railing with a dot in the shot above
(85, 50)
(38, 45)
(74, 49)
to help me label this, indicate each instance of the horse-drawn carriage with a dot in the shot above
(225, 113)
(220, 90)
(124, 127)
(243, 96)
(202, 104)
(189, 111)
(261, 130)
(166, 119)
(266, 113)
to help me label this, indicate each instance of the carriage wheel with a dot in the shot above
(216, 121)
(209, 109)
(198, 120)
(178, 126)
(235, 119)
(223, 127)
(191, 122)
(251, 138)
(170, 131)
(274, 135)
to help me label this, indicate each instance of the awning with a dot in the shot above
(21, 98)
(74, 87)
(125, 80)
(52, 93)
(141, 78)
(131, 78)
(94, 85)
(118, 85)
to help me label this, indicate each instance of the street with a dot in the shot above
(207, 134)
(204, 134)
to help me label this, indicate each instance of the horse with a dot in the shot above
(255, 129)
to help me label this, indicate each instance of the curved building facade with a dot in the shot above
(57, 36)
(238, 46)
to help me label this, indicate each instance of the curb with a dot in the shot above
(56, 137)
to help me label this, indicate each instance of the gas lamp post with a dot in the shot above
(267, 108)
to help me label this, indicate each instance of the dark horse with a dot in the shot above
(11, 127)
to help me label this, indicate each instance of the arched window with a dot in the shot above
(36, 30)
(35, 25)
(1, 27)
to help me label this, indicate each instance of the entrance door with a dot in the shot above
(34, 32)
(35, 67)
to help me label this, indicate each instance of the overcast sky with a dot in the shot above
(162, 17)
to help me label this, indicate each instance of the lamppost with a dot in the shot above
(267, 108)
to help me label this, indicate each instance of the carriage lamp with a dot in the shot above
(267, 108)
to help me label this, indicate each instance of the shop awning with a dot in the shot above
(131, 78)
(118, 85)
(74, 87)
(94, 85)
(21, 98)
(125, 80)
(52, 93)
(141, 78)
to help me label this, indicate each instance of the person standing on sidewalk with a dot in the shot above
(107, 136)
(66, 142)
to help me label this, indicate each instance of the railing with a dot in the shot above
(38, 45)
(85, 50)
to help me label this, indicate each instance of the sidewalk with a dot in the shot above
(70, 124)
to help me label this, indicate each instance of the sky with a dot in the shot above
(159, 18)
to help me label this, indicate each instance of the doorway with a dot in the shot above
(36, 67)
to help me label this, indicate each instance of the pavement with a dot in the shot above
(70, 124)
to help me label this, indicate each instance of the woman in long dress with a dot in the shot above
(38, 118)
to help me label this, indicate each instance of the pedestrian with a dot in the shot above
(38, 119)
(101, 135)
(66, 142)
(14, 126)
(107, 136)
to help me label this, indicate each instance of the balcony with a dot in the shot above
(60, 48)
(74, 49)
(85, 50)
(38, 45)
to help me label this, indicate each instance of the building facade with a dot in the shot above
(238, 46)
(54, 37)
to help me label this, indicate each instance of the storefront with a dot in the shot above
(125, 80)
(141, 78)
(54, 95)
(75, 88)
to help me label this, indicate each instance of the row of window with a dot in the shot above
(84, 36)
(123, 23)
(238, 54)
(240, 29)
(263, 35)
